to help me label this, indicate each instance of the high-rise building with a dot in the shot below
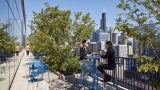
(93, 47)
(156, 45)
(121, 51)
(144, 47)
(111, 30)
(15, 30)
(115, 38)
(12, 14)
(100, 37)
(103, 22)
(101, 45)
(123, 40)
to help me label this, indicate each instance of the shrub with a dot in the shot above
(71, 65)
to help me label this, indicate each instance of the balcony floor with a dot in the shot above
(70, 82)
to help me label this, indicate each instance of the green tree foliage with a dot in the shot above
(51, 29)
(53, 34)
(71, 65)
(82, 27)
(134, 20)
(6, 42)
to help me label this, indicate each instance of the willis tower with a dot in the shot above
(103, 21)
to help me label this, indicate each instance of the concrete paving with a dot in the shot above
(70, 82)
(21, 80)
(8, 68)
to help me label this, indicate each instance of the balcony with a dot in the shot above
(16, 76)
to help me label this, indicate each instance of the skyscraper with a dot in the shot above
(15, 29)
(115, 38)
(123, 39)
(103, 21)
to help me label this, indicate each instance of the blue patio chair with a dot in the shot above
(90, 68)
(86, 69)
(41, 69)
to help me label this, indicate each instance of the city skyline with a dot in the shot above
(94, 8)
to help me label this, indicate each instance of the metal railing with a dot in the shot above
(128, 77)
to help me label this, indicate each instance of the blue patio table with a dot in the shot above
(95, 57)
(34, 64)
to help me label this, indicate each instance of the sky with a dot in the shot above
(94, 7)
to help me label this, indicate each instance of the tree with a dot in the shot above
(134, 20)
(82, 26)
(53, 34)
(51, 29)
(6, 43)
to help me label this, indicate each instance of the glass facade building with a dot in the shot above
(100, 37)
(12, 15)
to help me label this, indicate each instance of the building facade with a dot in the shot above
(15, 29)
(100, 37)
(115, 38)
(12, 14)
